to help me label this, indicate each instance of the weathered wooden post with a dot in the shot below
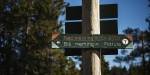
(91, 63)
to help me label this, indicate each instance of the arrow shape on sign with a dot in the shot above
(92, 41)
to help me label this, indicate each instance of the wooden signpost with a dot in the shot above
(91, 35)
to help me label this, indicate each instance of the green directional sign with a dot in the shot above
(92, 41)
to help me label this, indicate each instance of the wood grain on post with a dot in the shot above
(91, 64)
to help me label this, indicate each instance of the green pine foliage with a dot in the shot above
(27, 25)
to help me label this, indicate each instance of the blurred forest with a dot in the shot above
(25, 35)
(138, 60)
